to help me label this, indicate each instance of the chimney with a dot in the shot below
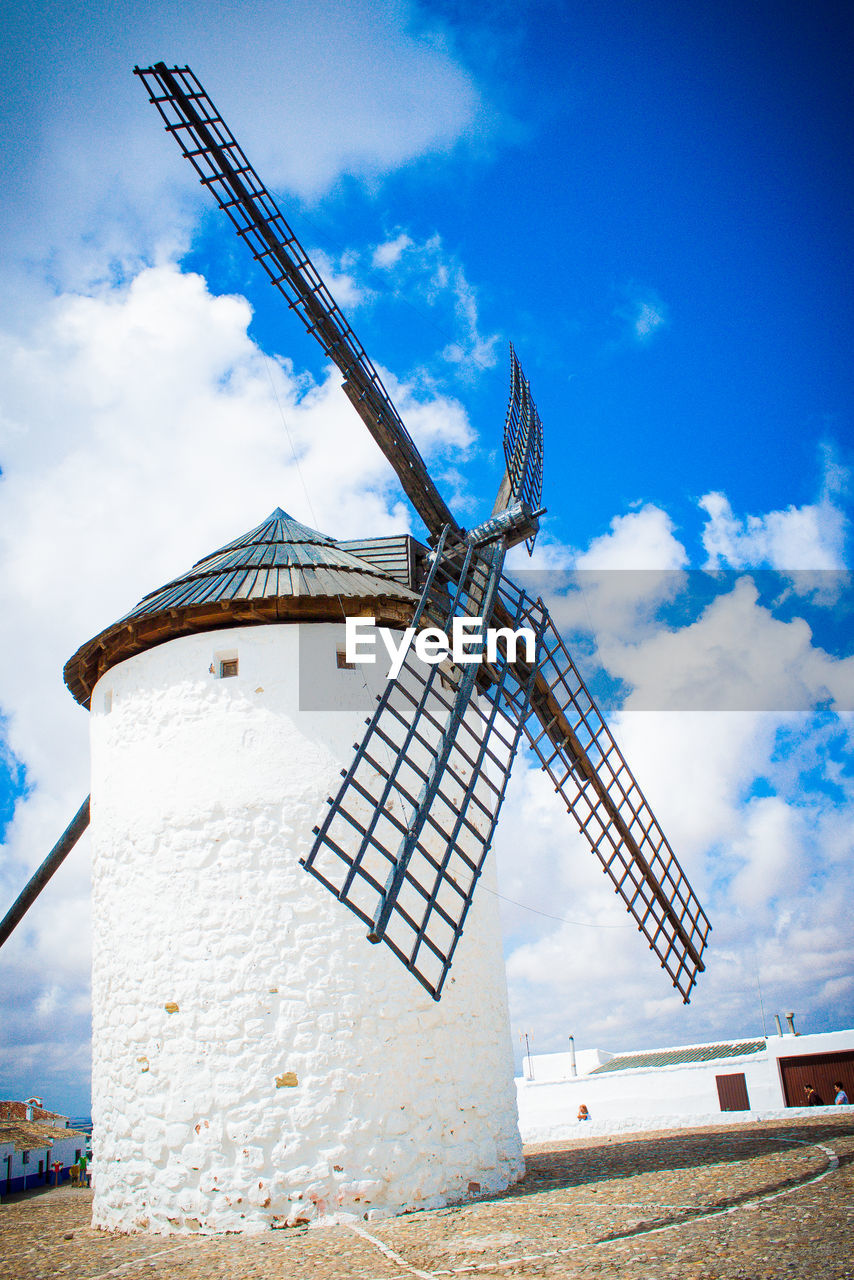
(572, 1066)
(29, 1112)
(790, 1019)
(777, 1021)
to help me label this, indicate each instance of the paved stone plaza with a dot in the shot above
(730, 1203)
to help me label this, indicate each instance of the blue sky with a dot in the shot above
(655, 212)
(653, 203)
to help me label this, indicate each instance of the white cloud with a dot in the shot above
(763, 866)
(435, 422)
(798, 538)
(617, 584)
(771, 848)
(388, 254)
(339, 276)
(735, 656)
(140, 429)
(426, 271)
(642, 539)
(650, 316)
(642, 312)
(96, 188)
(758, 805)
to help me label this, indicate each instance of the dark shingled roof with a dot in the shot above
(673, 1057)
(280, 571)
(280, 557)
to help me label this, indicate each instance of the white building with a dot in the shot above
(689, 1085)
(33, 1142)
(256, 1062)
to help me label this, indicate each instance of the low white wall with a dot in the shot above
(647, 1092)
(663, 1097)
(595, 1128)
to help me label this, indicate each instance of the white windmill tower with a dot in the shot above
(254, 1062)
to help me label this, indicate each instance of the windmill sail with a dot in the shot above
(577, 749)
(523, 446)
(207, 142)
(433, 766)
(48, 868)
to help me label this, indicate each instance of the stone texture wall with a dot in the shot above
(256, 1062)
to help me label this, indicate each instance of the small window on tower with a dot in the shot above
(227, 667)
(343, 664)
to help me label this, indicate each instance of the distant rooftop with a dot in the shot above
(31, 1135)
(12, 1109)
(674, 1057)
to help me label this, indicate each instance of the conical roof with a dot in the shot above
(280, 571)
(280, 557)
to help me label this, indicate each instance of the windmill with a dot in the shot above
(547, 699)
(404, 842)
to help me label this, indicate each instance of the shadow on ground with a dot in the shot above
(556, 1165)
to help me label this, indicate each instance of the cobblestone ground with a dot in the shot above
(730, 1203)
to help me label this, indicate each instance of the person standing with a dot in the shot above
(813, 1099)
(841, 1099)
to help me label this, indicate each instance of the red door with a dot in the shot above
(732, 1093)
(820, 1070)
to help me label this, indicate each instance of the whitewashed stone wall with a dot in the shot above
(256, 1062)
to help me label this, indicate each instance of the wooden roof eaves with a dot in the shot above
(130, 636)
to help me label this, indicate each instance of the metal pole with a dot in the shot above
(52, 863)
(530, 1063)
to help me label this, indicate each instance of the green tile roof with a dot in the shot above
(674, 1057)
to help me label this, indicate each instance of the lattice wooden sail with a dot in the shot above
(579, 752)
(523, 442)
(405, 839)
(219, 160)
